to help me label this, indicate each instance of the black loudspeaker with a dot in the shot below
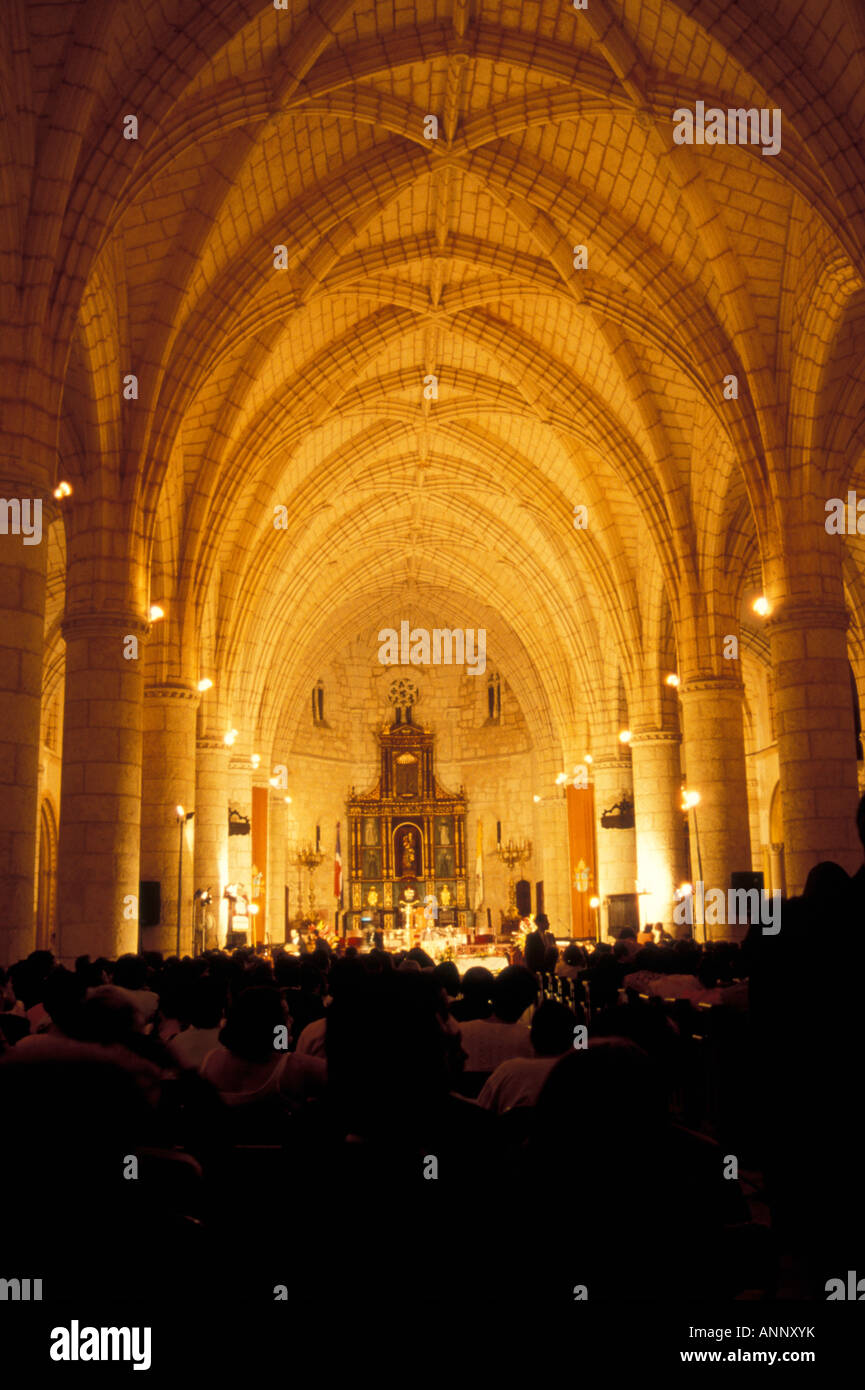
(149, 903)
(746, 880)
(622, 911)
(539, 896)
(524, 897)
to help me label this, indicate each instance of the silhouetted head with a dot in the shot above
(387, 1051)
(512, 992)
(828, 882)
(447, 977)
(253, 1018)
(552, 1030)
(477, 988)
(602, 1110)
(130, 972)
(107, 1016)
(62, 998)
(206, 1003)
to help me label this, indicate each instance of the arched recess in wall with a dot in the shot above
(776, 842)
(46, 899)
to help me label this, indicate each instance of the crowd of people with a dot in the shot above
(331, 1121)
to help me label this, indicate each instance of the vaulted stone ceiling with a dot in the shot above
(409, 257)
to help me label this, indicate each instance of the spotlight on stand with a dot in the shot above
(182, 818)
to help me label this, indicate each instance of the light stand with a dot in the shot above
(690, 802)
(182, 818)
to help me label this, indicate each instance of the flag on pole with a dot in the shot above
(479, 868)
(337, 869)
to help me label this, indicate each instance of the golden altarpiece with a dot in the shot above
(406, 839)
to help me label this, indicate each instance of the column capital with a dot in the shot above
(211, 743)
(611, 762)
(240, 762)
(15, 484)
(171, 690)
(104, 623)
(731, 684)
(803, 614)
(640, 737)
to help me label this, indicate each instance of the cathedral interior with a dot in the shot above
(432, 437)
(321, 319)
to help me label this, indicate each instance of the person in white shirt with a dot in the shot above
(205, 1021)
(520, 1080)
(489, 1041)
(311, 1042)
(247, 1065)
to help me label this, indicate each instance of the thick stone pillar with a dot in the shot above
(211, 827)
(613, 778)
(22, 620)
(277, 827)
(660, 827)
(168, 781)
(550, 855)
(816, 739)
(100, 799)
(240, 800)
(713, 757)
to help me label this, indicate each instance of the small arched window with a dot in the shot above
(318, 703)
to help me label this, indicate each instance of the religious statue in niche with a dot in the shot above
(370, 831)
(444, 833)
(406, 768)
(371, 863)
(445, 897)
(408, 852)
(444, 862)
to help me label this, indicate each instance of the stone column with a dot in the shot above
(613, 777)
(713, 756)
(551, 858)
(277, 829)
(240, 797)
(100, 798)
(211, 827)
(660, 826)
(22, 620)
(776, 866)
(168, 781)
(816, 738)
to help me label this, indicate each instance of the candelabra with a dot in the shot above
(310, 857)
(511, 853)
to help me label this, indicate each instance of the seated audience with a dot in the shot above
(206, 1005)
(519, 1080)
(489, 1041)
(248, 1065)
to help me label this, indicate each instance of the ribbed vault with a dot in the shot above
(287, 262)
